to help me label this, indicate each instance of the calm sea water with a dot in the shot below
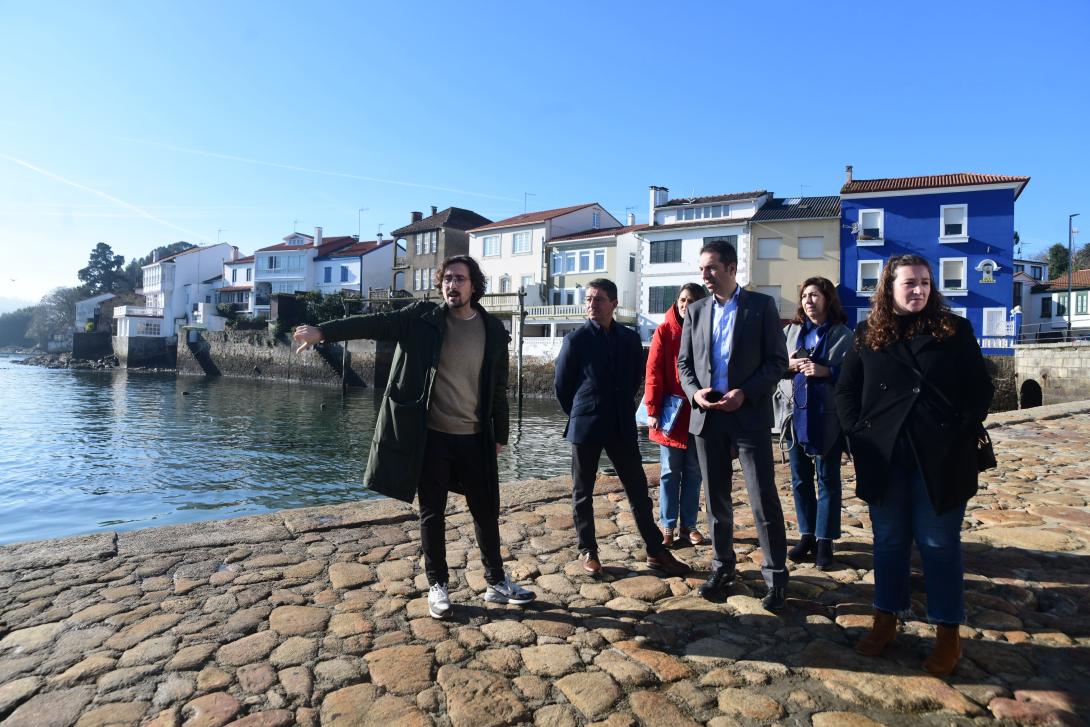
(85, 451)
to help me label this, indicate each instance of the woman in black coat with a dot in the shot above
(911, 396)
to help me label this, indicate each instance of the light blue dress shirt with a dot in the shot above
(723, 316)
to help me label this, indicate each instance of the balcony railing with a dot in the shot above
(126, 311)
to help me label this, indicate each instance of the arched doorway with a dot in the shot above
(1029, 395)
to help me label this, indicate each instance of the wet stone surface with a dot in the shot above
(320, 617)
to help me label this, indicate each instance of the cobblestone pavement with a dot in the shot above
(319, 617)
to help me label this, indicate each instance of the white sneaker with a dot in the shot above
(438, 601)
(508, 592)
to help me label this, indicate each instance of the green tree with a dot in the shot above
(103, 271)
(1082, 257)
(14, 325)
(1057, 259)
(55, 315)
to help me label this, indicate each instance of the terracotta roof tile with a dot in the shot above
(531, 218)
(362, 248)
(240, 261)
(960, 179)
(600, 232)
(1080, 280)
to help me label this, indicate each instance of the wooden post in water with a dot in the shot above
(522, 330)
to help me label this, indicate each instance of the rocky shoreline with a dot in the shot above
(319, 616)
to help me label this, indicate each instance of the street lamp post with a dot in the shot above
(1070, 269)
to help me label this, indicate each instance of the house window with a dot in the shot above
(1018, 294)
(995, 321)
(569, 262)
(327, 274)
(599, 259)
(869, 271)
(1059, 304)
(418, 243)
(1035, 272)
(772, 291)
(526, 282)
(861, 314)
(665, 251)
(768, 248)
(344, 273)
(954, 223)
(557, 264)
(1046, 307)
(584, 260)
(234, 275)
(596, 220)
(273, 262)
(958, 311)
(1019, 268)
(661, 297)
(953, 276)
(871, 227)
(505, 284)
(631, 263)
(434, 235)
(492, 246)
(249, 274)
(811, 248)
(1080, 303)
(520, 242)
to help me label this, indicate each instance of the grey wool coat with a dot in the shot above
(395, 460)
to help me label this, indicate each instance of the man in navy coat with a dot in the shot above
(598, 375)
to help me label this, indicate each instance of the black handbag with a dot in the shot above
(985, 454)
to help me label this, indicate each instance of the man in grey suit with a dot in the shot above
(732, 356)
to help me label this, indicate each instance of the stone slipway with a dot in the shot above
(318, 616)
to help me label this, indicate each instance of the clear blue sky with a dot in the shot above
(142, 123)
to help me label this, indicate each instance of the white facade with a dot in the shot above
(517, 251)
(341, 270)
(283, 268)
(173, 288)
(1046, 313)
(87, 310)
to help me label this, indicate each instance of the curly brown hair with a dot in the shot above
(834, 312)
(881, 328)
(476, 277)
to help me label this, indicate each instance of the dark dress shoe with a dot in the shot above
(800, 551)
(668, 564)
(823, 557)
(591, 564)
(717, 583)
(775, 599)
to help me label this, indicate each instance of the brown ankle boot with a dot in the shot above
(944, 657)
(882, 633)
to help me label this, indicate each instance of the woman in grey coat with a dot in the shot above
(817, 341)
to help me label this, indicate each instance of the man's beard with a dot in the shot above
(457, 302)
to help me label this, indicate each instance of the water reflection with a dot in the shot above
(89, 450)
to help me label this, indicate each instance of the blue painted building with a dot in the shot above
(962, 224)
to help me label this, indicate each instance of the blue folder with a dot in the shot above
(671, 407)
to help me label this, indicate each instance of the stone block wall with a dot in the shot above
(1001, 369)
(91, 346)
(143, 352)
(1061, 370)
(257, 354)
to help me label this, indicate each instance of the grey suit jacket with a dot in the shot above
(758, 359)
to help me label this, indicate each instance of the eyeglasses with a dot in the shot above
(456, 279)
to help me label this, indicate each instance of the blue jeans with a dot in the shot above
(679, 485)
(905, 514)
(818, 515)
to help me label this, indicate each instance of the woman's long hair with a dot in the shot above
(834, 312)
(882, 328)
(696, 290)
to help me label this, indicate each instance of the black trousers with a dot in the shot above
(458, 460)
(713, 447)
(624, 453)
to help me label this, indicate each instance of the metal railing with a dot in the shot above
(123, 311)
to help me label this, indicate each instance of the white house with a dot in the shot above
(87, 310)
(671, 244)
(1046, 314)
(511, 252)
(174, 289)
(340, 271)
(238, 288)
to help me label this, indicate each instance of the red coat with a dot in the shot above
(662, 379)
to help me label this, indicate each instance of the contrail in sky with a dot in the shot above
(109, 197)
(309, 170)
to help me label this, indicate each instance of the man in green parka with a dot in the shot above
(443, 418)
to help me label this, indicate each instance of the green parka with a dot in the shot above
(396, 457)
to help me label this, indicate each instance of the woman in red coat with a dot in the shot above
(679, 479)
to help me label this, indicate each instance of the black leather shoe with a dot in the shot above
(717, 583)
(805, 545)
(823, 557)
(774, 600)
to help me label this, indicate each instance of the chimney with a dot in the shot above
(234, 253)
(417, 216)
(434, 210)
(317, 236)
(658, 197)
(379, 234)
(631, 219)
(848, 174)
(155, 256)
